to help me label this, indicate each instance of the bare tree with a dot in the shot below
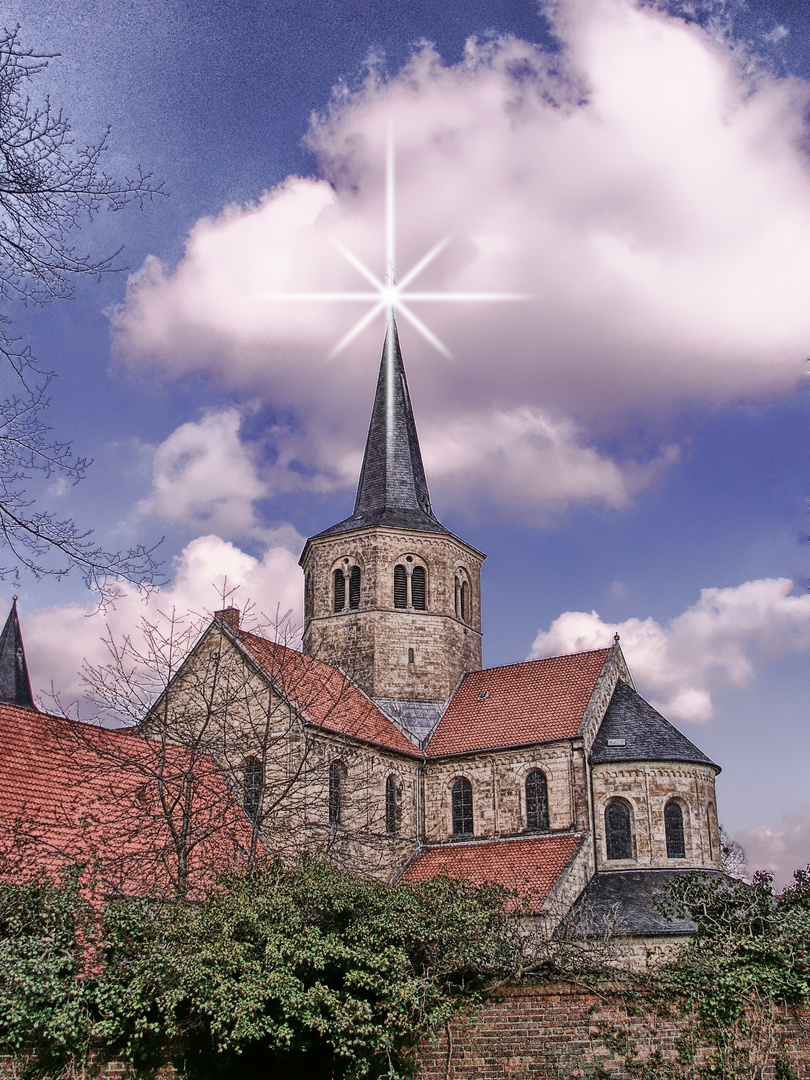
(48, 186)
(733, 857)
(286, 730)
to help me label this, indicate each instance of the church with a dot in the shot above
(382, 744)
(386, 746)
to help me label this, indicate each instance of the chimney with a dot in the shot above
(229, 616)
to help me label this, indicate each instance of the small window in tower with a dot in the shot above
(340, 591)
(410, 656)
(464, 601)
(336, 771)
(252, 784)
(462, 807)
(536, 801)
(354, 587)
(391, 805)
(673, 826)
(419, 588)
(618, 832)
(400, 586)
(458, 599)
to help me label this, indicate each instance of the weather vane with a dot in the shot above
(390, 294)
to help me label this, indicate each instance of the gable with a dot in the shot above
(536, 701)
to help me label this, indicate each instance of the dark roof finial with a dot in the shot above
(15, 684)
(616, 638)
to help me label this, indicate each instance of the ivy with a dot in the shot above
(44, 1005)
(307, 971)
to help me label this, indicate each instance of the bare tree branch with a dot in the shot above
(48, 188)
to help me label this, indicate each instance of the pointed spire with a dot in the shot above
(392, 476)
(15, 685)
(392, 489)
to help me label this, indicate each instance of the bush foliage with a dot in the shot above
(306, 972)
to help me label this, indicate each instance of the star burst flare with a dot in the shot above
(388, 294)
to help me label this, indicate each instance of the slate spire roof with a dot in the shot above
(392, 489)
(15, 685)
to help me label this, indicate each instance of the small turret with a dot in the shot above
(15, 684)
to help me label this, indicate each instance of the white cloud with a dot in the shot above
(715, 643)
(782, 850)
(59, 640)
(653, 199)
(204, 478)
(524, 459)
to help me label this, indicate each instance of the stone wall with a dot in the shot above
(498, 783)
(646, 787)
(568, 1032)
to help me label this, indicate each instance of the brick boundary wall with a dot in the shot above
(565, 1032)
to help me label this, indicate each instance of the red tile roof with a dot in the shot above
(325, 696)
(72, 792)
(537, 701)
(528, 866)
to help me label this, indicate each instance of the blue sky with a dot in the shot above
(631, 437)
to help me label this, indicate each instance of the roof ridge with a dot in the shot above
(533, 660)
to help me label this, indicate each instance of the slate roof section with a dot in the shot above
(632, 730)
(533, 702)
(76, 793)
(528, 866)
(324, 695)
(416, 720)
(393, 489)
(15, 683)
(622, 902)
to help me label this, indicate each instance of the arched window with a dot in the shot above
(419, 588)
(336, 773)
(536, 800)
(462, 807)
(673, 826)
(458, 599)
(252, 784)
(400, 586)
(464, 602)
(391, 805)
(354, 587)
(618, 833)
(340, 591)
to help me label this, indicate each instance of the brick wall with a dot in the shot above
(568, 1032)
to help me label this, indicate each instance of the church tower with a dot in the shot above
(392, 597)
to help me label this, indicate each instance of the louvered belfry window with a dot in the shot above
(463, 601)
(536, 801)
(354, 587)
(335, 793)
(252, 784)
(673, 825)
(340, 591)
(391, 805)
(617, 832)
(400, 586)
(419, 588)
(462, 807)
